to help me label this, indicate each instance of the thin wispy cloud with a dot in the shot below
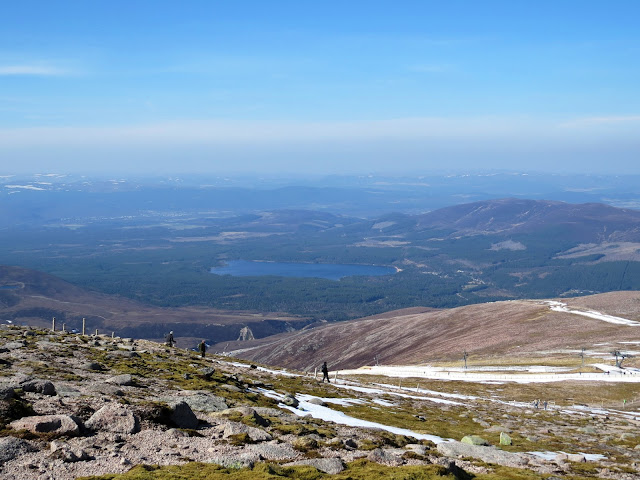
(32, 70)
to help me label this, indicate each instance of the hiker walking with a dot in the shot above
(202, 347)
(170, 341)
(325, 372)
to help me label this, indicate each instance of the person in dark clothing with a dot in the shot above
(325, 372)
(203, 348)
(170, 340)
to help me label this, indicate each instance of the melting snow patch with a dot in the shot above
(325, 413)
(563, 307)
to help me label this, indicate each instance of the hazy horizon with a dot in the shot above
(315, 89)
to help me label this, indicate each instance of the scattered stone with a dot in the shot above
(317, 401)
(182, 416)
(505, 439)
(45, 387)
(64, 452)
(106, 389)
(350, 443)
(330, 466)
(305, 443)
(113, 418)
(176, 433)
(385, 457)
(14, 345)
(270, 451)
(290, 400)
(29, 333)
(200, 401)
(481, 422)
(124, 380)
(561, 457)
(236, 428)
(67, 391)
(416, 448)
(230, 387)
(590, 430)
(486, 454)
(56, 424)
(207, 372)
(46, 345)
(236, 461)
(474, 440)
(92, 366)
(11, 447)
(123, 354)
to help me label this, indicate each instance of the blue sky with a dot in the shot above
(319, 87)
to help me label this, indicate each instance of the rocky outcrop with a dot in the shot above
(54, 424)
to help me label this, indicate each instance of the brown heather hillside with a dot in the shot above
(520, 328)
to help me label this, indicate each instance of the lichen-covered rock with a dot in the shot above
(114, 418)
(385, 457)
(45, 387)
(124, 380)
(11, 447)
(331, 466)
(270, 451)
(474, 440)
(505, 439)
(200, 401)
(290, 400)
(56, 424)
(236, 460)
(416, 448)
(235, 428)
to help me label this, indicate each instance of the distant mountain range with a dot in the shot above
(477, 252)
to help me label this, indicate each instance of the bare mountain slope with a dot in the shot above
(511, 328)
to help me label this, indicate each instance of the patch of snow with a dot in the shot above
(589, 457)
(563, 307)
(325, 413)
(384, 403)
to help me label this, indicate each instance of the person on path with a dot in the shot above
(170, 341)
(325, 372)
(202, 347)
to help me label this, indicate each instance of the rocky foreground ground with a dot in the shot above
(78, 406)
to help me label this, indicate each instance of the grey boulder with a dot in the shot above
(114, 418)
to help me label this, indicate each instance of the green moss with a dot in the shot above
(239, 439)
(359, 470)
